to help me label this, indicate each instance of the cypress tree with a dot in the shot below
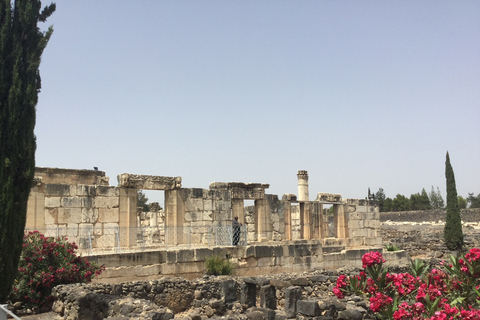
(453, 233)
(21, 46)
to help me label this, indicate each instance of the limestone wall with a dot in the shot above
(467, 215)
(81, 205)
(249, 260)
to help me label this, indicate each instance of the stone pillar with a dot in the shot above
(302, 176)
(228, 291)
(238, 210)
(268, 297)
(288, 220)
(174, 216)
(262, 220)
(248, 294)
(340, 221)
(305, 221)
(317, 219)
(292, 295)
(128, 217)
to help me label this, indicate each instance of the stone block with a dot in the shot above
(207, 215)
(193, 204)
(51, 216)
(89, 215)
(52, 202)
(72, 230)
(106, 202)
(69, 215)
(248, 293)
(110, 228)
(268, 297)
(185, 256)
(108, 214)
(71, 202)
(85, 190)
(308, 308)
(265, 262)
(292, 295)
(57, 190)
(229, 292)
(201, 254)
(107, 191)
(87, 202)
(171, 257)
(362, 209)
(263, 251)
(193, 216)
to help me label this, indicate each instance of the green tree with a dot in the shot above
(388, 205)
(436, 200)
(473, 201)
(380, 196)
(420, 201)
(462, 202)
(401, 203)
(142, 201)
(21, 46)
(453, 233)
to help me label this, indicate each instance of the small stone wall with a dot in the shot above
(467, 215)
(301, 296)
(249, 260)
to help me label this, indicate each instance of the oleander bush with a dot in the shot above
(451, 293)
(44, 263)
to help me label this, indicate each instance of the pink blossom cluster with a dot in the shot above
(437, 295)
(46, 262)
(372, 258)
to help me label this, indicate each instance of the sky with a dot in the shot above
(362, 94)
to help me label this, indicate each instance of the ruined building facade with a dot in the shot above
(81, 205)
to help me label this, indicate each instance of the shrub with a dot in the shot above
(44, 263)
(452, 293)
(392, 247)
(216, 265)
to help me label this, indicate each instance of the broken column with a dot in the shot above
(303, 198)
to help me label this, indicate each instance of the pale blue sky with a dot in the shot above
(359, 93)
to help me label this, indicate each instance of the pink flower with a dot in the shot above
(372, 258)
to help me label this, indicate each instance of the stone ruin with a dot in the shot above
(104, 220)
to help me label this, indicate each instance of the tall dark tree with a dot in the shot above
(453, 233)
(21, 46)
(380, 196)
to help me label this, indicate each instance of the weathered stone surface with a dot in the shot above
(228, 290)
(146, 182)
(292, 296)
(308, 307)
(268, 298)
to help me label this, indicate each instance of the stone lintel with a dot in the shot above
(146, 182)
(244, 185)
(329, 197)
(240, 190)
(289, 197)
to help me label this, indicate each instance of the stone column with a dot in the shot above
(174, 216)
(317, 220)
(302, 176)
(340, 221)
(262, 220)
(305, 221)
(288, 220)
(128, 217)
(238, 210)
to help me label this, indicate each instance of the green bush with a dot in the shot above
(392, 247)
(216, 265)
